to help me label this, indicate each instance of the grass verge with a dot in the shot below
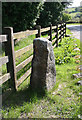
(63, 101)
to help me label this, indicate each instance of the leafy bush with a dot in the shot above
(65, 17)
(65, 52)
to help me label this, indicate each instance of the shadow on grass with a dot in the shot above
(26, 95)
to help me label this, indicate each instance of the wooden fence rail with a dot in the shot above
(56, 33)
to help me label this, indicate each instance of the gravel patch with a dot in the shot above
(76, 30)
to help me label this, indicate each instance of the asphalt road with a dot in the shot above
(76, 30)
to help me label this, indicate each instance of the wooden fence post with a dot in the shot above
(62, 29)
(9, 50)
(57, 36)
(39, 31)
(65, 29)
(60, 33)
(51, 32)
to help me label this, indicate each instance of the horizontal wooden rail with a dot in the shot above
(23, 77)
(4, 60)
(62, 29)
(59, 25)
(4, 78)
(62, 36)
(59, 31)
(24, 34)
(64, 33)
(59, 40)
(23, 50)
(54, 27)
(59, 36)
(62, 24)
(45, 29)
(3, 38)
(24, 63)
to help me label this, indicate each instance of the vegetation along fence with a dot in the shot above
(57, 32)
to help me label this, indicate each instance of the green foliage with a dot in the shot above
(75, 13)
(20, 15)
(50, 14)
(65, 17)
(65, 52)
(24, 15)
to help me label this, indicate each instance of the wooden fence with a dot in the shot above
(58, 32)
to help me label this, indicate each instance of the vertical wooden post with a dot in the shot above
(61, 29)
(65, 29)
(39, 31)
(51, 32)
(57, 36)
(60, 33)
(9, 50)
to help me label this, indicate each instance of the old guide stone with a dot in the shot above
(43, 75)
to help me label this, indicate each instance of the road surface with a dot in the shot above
(76, 30)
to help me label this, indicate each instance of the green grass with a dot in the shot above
(24, 42)
(21, 44)
(65, 52)
(63, 101)
(70, 9)
(75, 14)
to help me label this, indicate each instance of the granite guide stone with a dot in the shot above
(43, 73)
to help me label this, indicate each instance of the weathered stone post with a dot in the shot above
(43, 75)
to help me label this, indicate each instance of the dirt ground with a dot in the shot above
(76, 30)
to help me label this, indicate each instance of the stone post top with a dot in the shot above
(42, 40)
